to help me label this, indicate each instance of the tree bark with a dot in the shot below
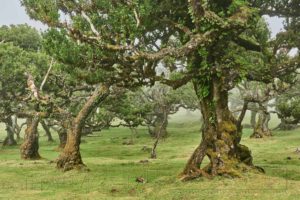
(220, 138)
(30, 147)
(261, 129)
(10, 139)
(70, 158)
(47, 131)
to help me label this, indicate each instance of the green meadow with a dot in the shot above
(112, 168)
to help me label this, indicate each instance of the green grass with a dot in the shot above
(114, 168)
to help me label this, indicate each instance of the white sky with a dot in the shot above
(11, 12)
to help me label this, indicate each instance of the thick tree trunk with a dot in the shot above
(221, 135)
(261, 129)
(70, 158)
(47, 131)
(30, 147)
(10, 139)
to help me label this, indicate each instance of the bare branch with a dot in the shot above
(84, 15)
(47, 74)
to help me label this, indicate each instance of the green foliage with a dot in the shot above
(22, 36)
(19, 54)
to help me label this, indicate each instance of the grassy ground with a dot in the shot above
(114, 168)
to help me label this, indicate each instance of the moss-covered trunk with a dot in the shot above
(70, 158)
(10, 139)
(221, 135)
(30, 147)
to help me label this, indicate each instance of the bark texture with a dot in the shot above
(70, 158)
(30, 147)
(221, 135)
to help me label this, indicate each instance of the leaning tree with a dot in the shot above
(211, 40)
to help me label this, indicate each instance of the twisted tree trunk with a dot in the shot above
(261, 129)
(30, 147)
(221, 135)
(70, 158)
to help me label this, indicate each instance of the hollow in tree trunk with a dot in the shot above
(47, 131)
(10, 139)
(261, 129)
(70, 158)
(30, 147)
(221, 135)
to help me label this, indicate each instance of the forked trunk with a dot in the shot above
(70, 158)
(30, 147)
(10, 139)
(221, 135)
(261, 129)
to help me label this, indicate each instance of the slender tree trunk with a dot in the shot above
(160, 126)
(17, 129)
(10, 139)
(47, 131)
(30, 147)
(158, 136)
(220, 138)
(62, 134)
(70, 158)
